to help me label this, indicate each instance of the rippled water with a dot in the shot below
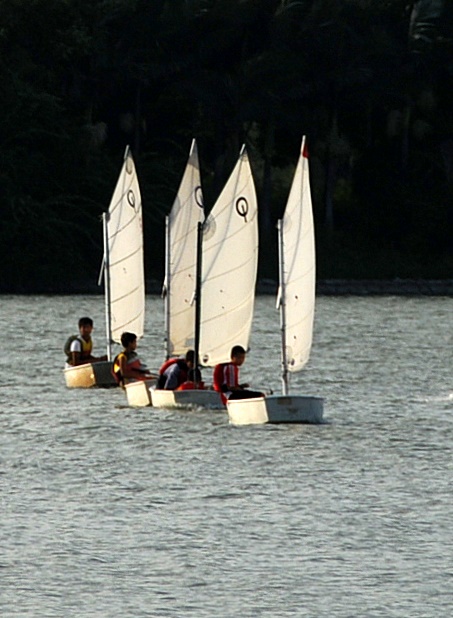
(109, 511)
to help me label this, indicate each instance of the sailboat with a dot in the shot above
(296, 303)
(226, 255)
(180, 273)
(123, 272)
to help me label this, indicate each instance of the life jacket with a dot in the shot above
(188, 385)
(225, 375)
(182, 377)
(116, 371)
(87, 347)
(168, 363)
(133, 362)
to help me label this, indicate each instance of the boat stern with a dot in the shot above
(139, 393)
(89, 375)
(276, 409)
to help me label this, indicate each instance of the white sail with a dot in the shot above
(298, 267)
(229, 267)
(296, 300)
(187, 211)
(124, 255)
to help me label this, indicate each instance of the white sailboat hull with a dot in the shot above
(276, 409)
(187, 399)
(89, 375)
(139, 393)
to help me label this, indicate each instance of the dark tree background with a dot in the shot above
(368, 82)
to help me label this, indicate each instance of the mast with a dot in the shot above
(198, 298)
(166, 289)
(108, 313)
(281, 305)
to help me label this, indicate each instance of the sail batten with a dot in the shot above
(126, 257)
(121, 299)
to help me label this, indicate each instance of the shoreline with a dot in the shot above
(324, 287)
(376, 287)
(371, 287)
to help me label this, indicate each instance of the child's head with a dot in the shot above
(128, 340)
(237, 355)
(85, 326)
(190, 358)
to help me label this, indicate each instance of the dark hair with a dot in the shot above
(236, 350)
(190, 356)
(85, 322)
(127, 338)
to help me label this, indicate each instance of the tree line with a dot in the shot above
(369, 84)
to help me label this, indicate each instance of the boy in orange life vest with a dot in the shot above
(175, 371)
(82, 345)
(226, 378)
(127, 366)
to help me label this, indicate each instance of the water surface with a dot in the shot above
(110, 511)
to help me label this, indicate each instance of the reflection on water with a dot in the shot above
(108, 511)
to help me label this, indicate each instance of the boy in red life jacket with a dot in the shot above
(178, 371)
(127, 366)
(226, 378)
(78, 348)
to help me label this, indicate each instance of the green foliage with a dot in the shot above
(81, 80)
